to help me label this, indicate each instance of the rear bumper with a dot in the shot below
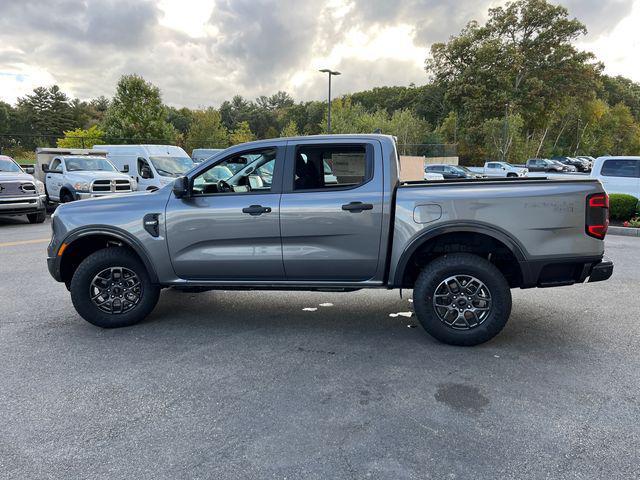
(566, 271)
(601, 271)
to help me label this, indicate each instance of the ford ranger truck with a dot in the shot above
(273, 222)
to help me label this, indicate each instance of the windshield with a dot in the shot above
(461, 168)
(80, 164)
(172, 166)
(8, 166)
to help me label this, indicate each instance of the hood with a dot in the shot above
(96, 175)
(16, 177)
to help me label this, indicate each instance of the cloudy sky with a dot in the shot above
(201, 52)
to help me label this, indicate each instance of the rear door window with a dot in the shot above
(330, 167)
(621, 167)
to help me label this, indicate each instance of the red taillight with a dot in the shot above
(599, 200)
(597, 218)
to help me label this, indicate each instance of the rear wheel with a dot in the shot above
(462, 299)
(111, 288)
(38, 217)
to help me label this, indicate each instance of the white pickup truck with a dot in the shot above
(618, 174)
(69, 178)
(500, 169)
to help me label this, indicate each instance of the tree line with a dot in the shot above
(512, 88)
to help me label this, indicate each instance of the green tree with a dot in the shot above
(180, 118)
(241, 134)
(5, 117)
(45, 111)
(137, 113)
(206, 130)
(80, 138)
(408, 128)
(290, 130)
(503, 138)
(522, 58)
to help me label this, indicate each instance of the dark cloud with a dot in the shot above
(599, 16)
(257, 47)
(263, 40)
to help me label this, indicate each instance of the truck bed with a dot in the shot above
(543, 218)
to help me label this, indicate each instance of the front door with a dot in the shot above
(229, 228)
(331, 211)
(54, 179)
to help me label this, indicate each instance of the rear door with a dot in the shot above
(621, 175)
(332, 231)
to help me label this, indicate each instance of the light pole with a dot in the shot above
(330, 72)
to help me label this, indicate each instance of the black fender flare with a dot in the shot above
(72, 191)
(121, 235)
(463, 227)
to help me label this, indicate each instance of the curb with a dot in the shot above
(624, 231)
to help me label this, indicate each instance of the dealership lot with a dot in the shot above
(249, 385)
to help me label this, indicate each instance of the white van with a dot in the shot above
(151, 166)
(201, 154)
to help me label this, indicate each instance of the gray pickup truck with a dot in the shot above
(263, 215)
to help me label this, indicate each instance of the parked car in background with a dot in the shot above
(500, 169)
(452, 171)
(589, 161)
(276, 224)
(433, 176)
(20, 193)
(618, 174)
(565, 167)
(544, 165)
(577, 164)
(69, 178)
(201, 154)
(151, 166)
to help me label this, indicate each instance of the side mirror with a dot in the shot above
(45, 168)
(181, 187)
(30, 170)
(125, 169)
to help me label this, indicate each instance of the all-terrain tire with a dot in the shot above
(38, 217)
(465, 266)
(82, 289)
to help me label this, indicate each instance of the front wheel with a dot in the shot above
(462, 299)
(38, 217)
(512, 175)
(111, 288)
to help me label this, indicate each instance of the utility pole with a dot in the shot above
(506, 132)
(331, 73)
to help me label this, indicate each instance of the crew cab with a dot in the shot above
(461, 245)
(500, 169)
(20, 193)
(69, 178)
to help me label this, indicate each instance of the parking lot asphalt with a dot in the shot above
(230, 385)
